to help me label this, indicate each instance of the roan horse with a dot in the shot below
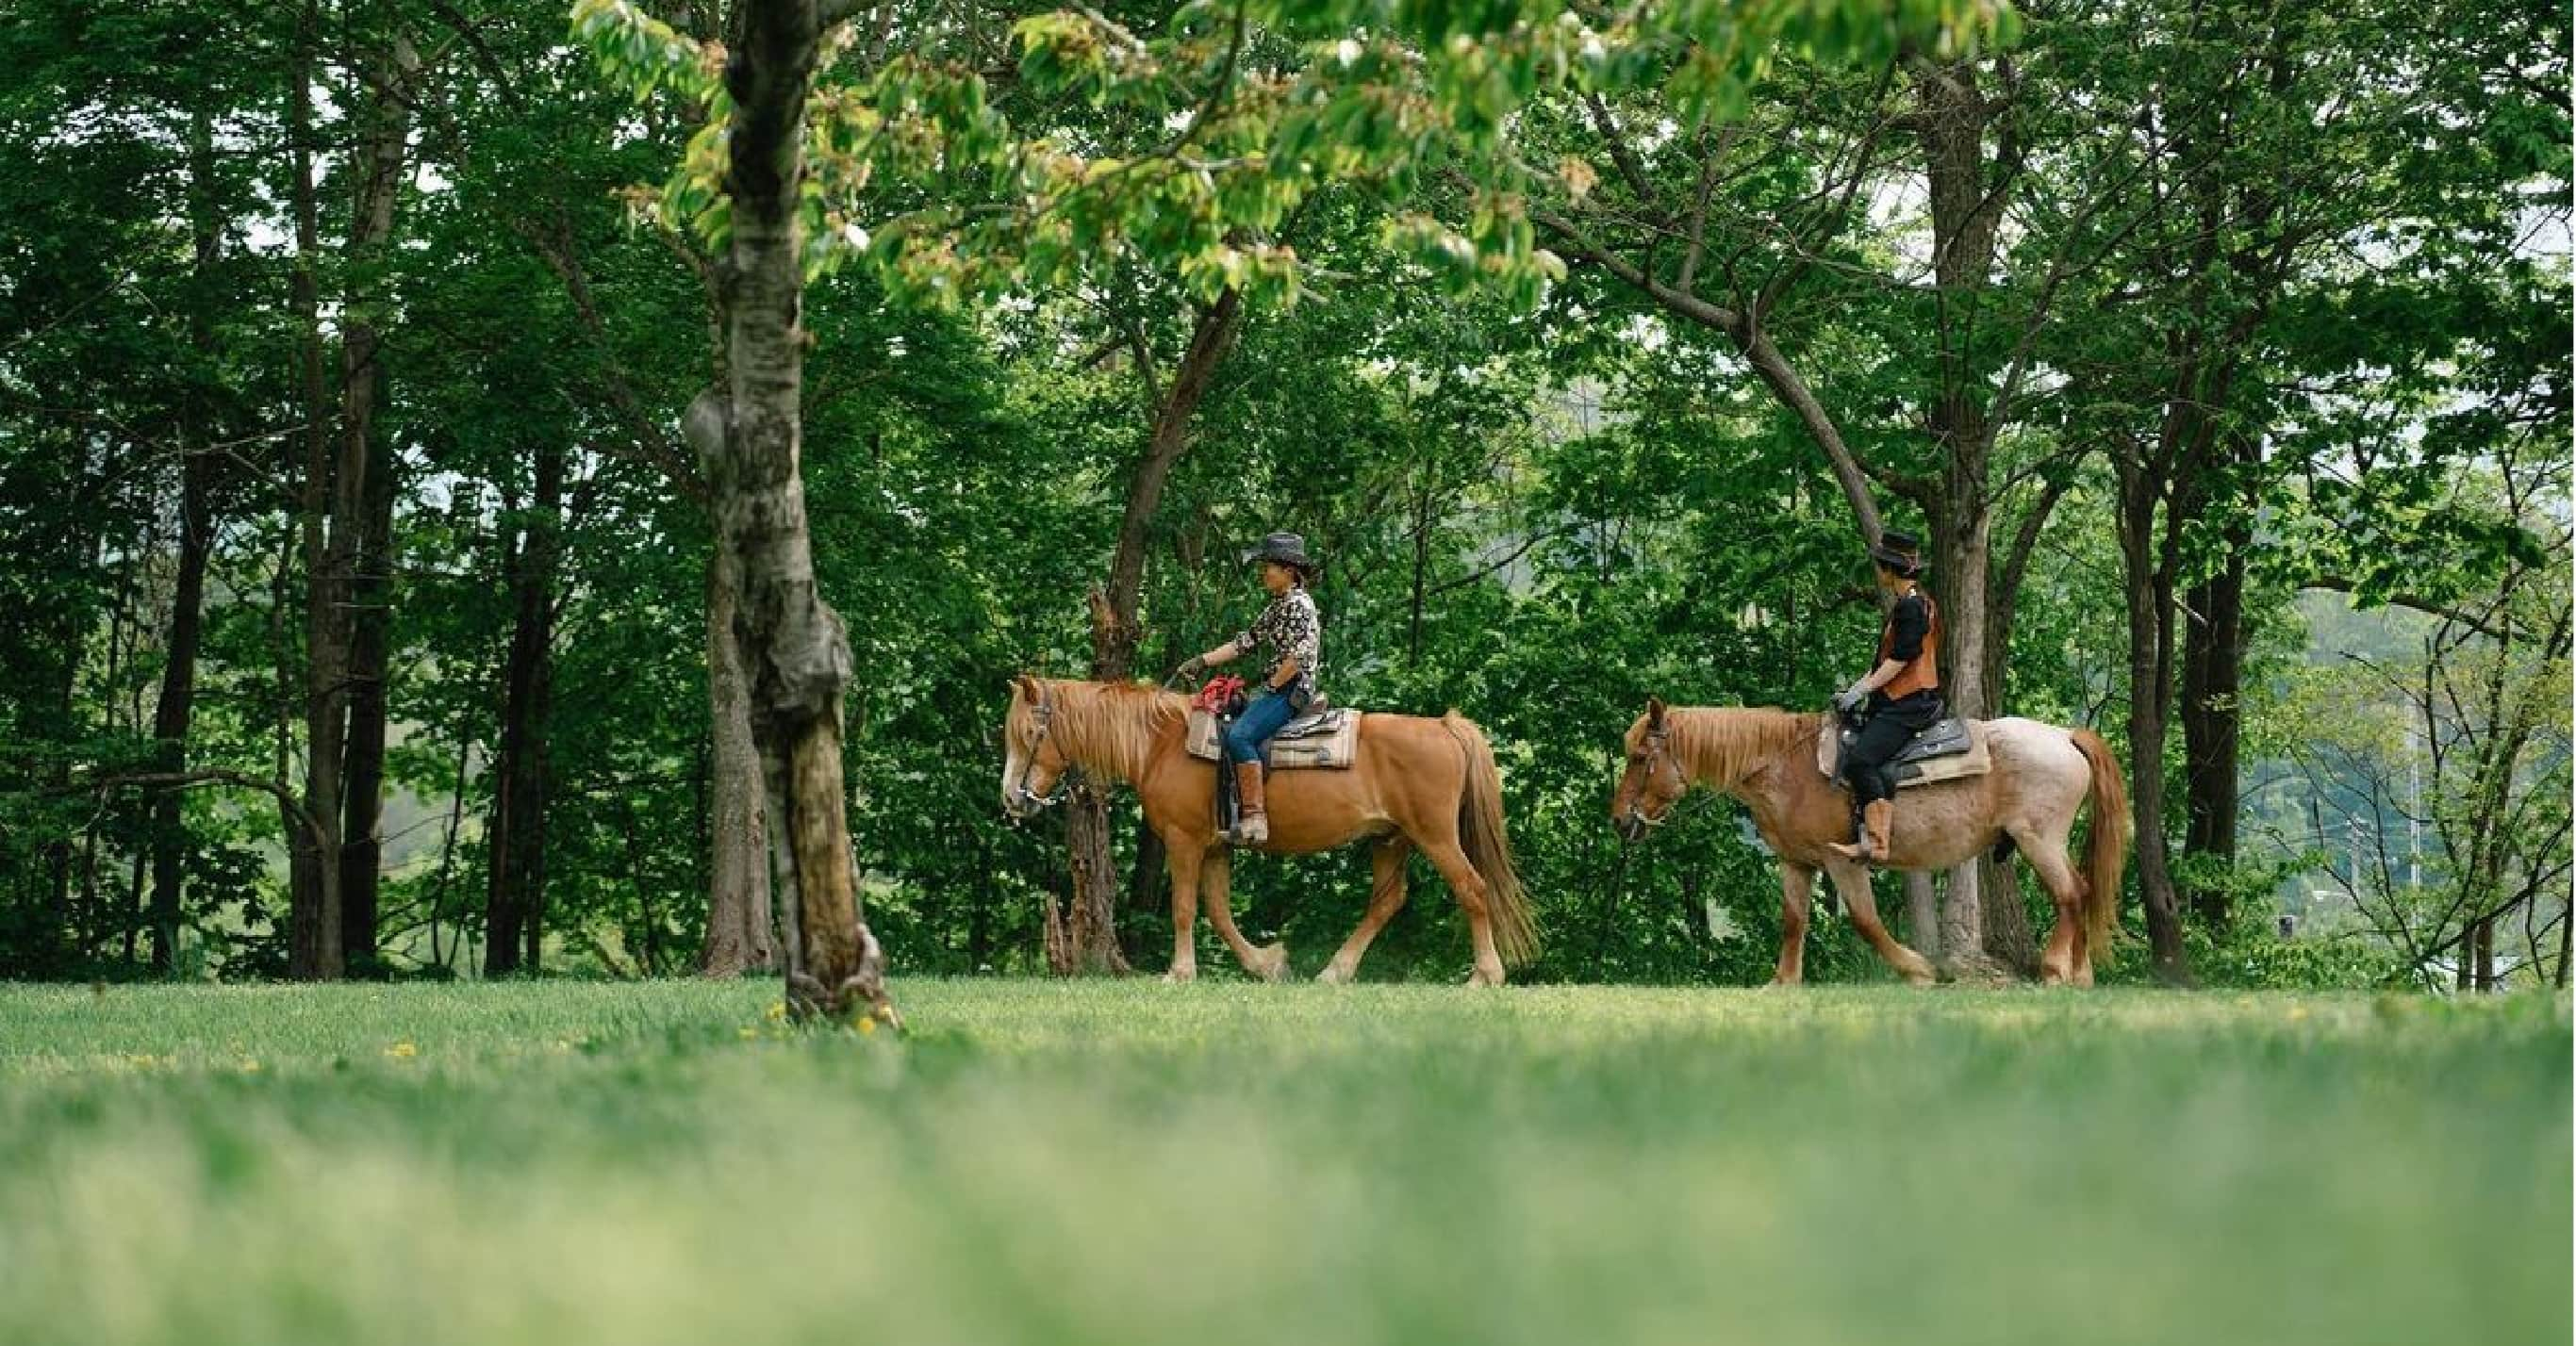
(1767, 760)
(1414, 783)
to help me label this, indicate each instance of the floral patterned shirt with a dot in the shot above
(1288, 629)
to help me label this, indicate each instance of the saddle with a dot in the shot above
(1950, 749)
(1325, 736)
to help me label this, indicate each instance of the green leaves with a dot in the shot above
(647, 55)
(1237, 113)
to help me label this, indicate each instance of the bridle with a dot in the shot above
(1657, 753)
(1043, 714)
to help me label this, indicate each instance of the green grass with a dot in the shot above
(1228, 1163)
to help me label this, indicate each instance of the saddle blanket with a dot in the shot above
(1950, 750)
(1328, 738)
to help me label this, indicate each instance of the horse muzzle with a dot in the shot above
(1023, 805)
(1630, 825)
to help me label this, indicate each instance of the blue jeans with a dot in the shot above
(1260, 719)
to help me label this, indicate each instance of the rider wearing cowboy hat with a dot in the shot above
(1902, 693)
(1290, 635)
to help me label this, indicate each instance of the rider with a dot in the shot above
(1290, 634)
(1902, 692)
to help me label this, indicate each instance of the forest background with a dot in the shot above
(357, 581)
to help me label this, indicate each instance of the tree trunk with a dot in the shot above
(1089, 942)
(739, 935)
(313, 909)
(363, 752)
(172, 715)
(791, 642)
(2212, 669)
(1923, 915)
(1961, 542)
(516, 837)
(1952, 122)
(331, 629)
(2566, 928)
(2149, 593)
(360, 572)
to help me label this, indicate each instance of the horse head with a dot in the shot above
(1653, 779)
(1032, 761)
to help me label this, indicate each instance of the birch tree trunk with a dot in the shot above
(739, 935)
(792, 645)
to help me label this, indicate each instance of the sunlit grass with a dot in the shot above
(1140, 1163)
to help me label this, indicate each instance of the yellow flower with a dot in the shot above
(403, 1050)
(749, 1033)
(777, 1010)
(249, 1066)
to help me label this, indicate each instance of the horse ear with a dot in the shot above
(1028, 688)
(1655, 712)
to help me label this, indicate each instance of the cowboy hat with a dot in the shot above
(1899, 551)
(1288, 549)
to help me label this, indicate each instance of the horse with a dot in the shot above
(1413, 783)
(1766, 759)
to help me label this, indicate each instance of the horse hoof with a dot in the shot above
(1180, 976)
(1272, 963)
(1333, 975)
(1481, 977)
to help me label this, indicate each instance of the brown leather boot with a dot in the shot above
(1251, 822)
(1876, 819)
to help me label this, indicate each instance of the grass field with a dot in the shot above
(1229, 1163)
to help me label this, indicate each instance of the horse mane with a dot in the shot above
(1724, 744)
(1107, 728)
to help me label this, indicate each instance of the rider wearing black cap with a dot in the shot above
(1902, 691)
(1290, 634)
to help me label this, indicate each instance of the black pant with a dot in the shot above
(1892, 725)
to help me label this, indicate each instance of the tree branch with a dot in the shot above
(2418, 603)
(1621, 152)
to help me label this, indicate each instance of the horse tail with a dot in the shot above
(1489, 850)
(2106, 850)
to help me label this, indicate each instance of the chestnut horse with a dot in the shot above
(1767, 760)
(1414, 782)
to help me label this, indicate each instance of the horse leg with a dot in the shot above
(1468, 887)
(1216, 895)
(2065, 954)
(1184, 861)
(1386, 897)
(1852, 882)
(1797, 884)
